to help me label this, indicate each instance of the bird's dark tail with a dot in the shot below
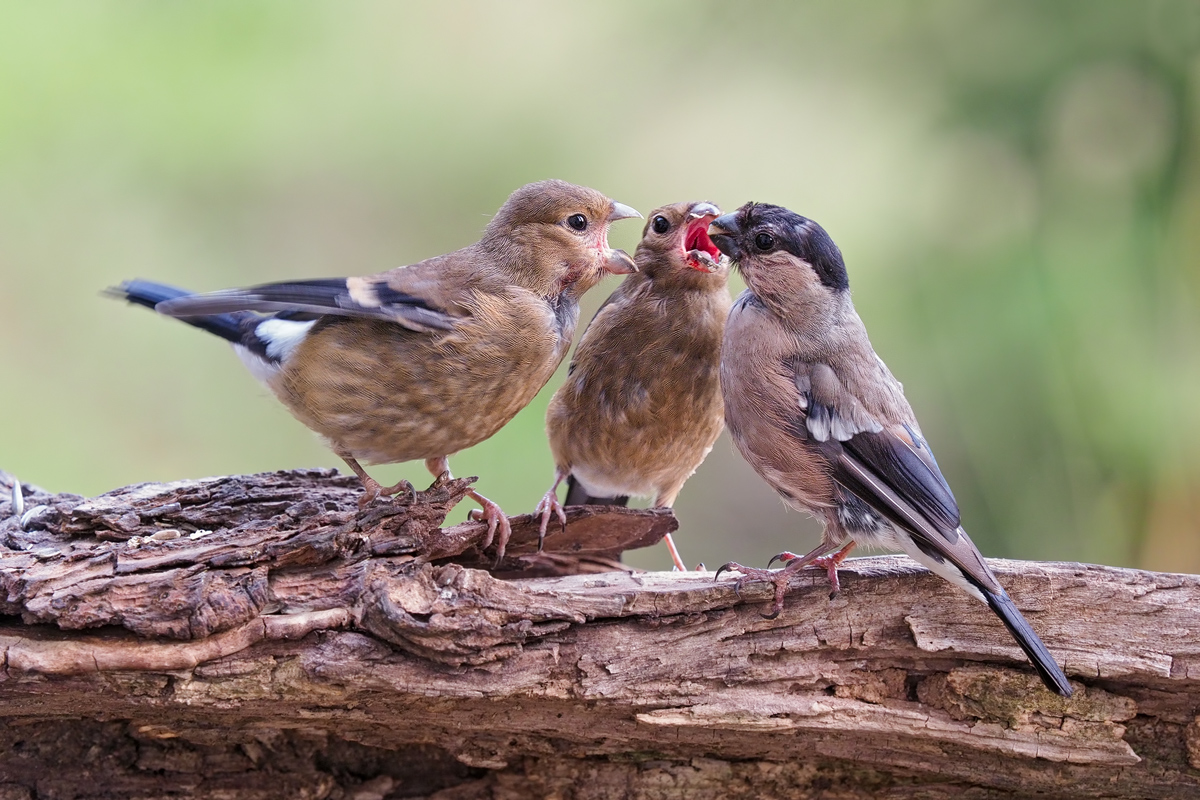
(149, 294)
(578, 496)
(1051, 674)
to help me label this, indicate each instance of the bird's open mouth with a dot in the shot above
(699, 250)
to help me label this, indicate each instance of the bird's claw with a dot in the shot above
(497, 524)
(777, 577)
(411, 491)
(17, 502)
(828, 563)
(733, 566)
(549, 505)
(399, 488)
(728, 566)
(786, 555)
(17, 498)
(371, 490)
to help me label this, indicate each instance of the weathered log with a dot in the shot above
(261, 636)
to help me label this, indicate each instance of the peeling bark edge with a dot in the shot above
(325, 648)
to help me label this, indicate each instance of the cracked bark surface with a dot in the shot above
(258, 636)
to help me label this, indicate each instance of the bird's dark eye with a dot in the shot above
(578, 222)
(661, 225)
(764, 242)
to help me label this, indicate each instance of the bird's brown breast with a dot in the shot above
(642, 405)
(387, 394)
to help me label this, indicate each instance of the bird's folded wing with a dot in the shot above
(888, 473)
(888, 466)
(379, 297)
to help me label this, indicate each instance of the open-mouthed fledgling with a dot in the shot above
(428, 359)
(641, 406)
(819, 416)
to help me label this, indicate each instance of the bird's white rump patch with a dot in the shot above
(282, 336)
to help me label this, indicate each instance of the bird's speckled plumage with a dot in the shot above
(818, 415)
(425, 360)
(641, 405)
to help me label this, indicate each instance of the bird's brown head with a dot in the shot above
(555, 237)
(785, 258)
(676, 247)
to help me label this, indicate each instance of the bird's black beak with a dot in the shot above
(725, 234)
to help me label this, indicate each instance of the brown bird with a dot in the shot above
(641, 406)
(821, 419)
(425, 360)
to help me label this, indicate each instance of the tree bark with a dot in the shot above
(260, 636)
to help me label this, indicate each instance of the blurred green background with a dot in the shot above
(1015, 186)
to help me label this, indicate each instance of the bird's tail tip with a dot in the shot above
(144, 293)
(1047, 668)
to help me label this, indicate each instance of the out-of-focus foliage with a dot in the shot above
(1014, 184)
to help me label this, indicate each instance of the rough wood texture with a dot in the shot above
(260, 637)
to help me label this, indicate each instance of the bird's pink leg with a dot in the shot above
(491, 512)
(675, 557)
(496, 520)
(550, 505)
(666, 499)
(829, 563)
(779, 578)
(372, 488)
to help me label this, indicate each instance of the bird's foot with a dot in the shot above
(496, 520)
(829, 563)
(779, 578)
(547, 507)
(371, 490)
(401, 487)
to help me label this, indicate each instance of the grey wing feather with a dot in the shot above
(900, 480)
(833, 412)
(352, 297)
(913, 485)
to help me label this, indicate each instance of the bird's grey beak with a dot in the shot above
(622, 211)
(704, 210)
(724, 232)
(724, 226)
(619, 263)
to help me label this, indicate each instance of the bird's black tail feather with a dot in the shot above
(578, 496)
(1051, 674)
(149, 294)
